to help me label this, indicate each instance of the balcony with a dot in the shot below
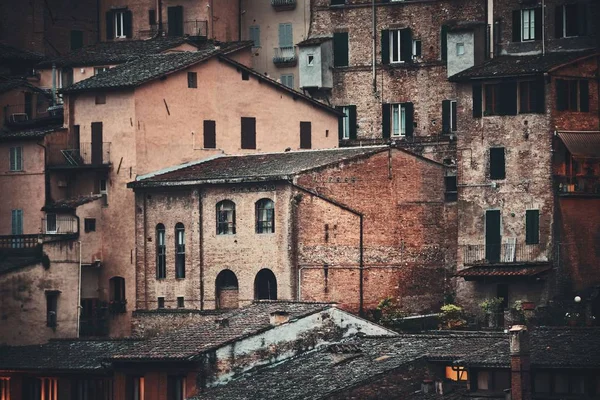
(285, 56)
(283, 5)
(579, 185)
(505, 253)
(192, 28)
(63, 225)
(21, 245)
(87, 155)
(29, 116)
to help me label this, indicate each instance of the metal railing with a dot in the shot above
(283, 4)
(19, 241)
(581, 184)
(285, 55)
(25, 114)
(192, 28)
(476, 254)
(55, 225)
(83, 156)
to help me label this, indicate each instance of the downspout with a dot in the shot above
(79, 287)
(53, 84)
(159, 16)
(490, 24)
(212, 19)
(201, 248)
(374, 55)
(145, 250)
(543, 27)
(240, 20)
(361, 250)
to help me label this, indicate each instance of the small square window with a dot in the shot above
(245, 75)
(192, 80)
(89, 224)
(460, 49)
(180, 302)
(101, 98)
(161, 303)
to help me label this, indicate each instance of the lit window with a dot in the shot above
(528, 24)
(265, 216)
(456, 373)
(460, 49)
(226, 217)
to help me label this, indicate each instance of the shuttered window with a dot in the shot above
(248, 133)
(397, 120)
(210, 135)
(532, 96)
(501, 98)
(532, 226)
(497, 163)
(192, 80)
(119, 24)
(288, 80)
(527, 25)
(255, 35)
(286, 38)
(570, 20)
(305, 135)
(340, 49)
(572, 95)
(347, 123)
(16, 158)
(161, 252)
(179, 251)
(449, 115)
(397, 46)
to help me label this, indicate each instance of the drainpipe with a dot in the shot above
(361, 311)
(53, 84)
(374, 29)
(159, 16)
(240, 20)
(212, 20)
(79, 289)
(543, 27)
(490, 24)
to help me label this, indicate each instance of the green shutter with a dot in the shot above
(128, 24)
(446, 105)
(340, 123)
(584, 96)
(477, 101)
(497, 163)
(558, 22)
(539, 95)
(444, 43)
(352, 116)
(285, 35)
(386, 115)
(532, 226)
(340, 49)
(410, 117)
(516, 26)
(385, 46)
(110, 25)
(508, 98)
(405, 45)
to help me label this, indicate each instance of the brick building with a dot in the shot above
(295, 225)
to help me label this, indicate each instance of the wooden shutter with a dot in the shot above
(584, 96)
(444, 43)
(405, 45)
(516, 26)
(558, 22)
(127, 24)
(561, 95)
(340, 49)
(151, 17)
(110, 25)
(410, 117)
(582, 16)
(418, 45)
(175, 20)
(285, 35)
(454, 113)
(352, 122)
(508, 98)
(477, 101)
(248, 133)
(305, 135)
(446, 106)
(538, 23)
(532, 226)
(497, 164)
(210, 135)
(385, 46)
(340, 123)
(386, 115)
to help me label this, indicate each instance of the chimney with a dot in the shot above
(222, 322)
(520, 363)
(279, 317)
(427, 386)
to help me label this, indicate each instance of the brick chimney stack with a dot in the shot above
(520, 363)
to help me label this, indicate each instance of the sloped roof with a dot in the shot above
(10, 53)
(32, 133)
(254, 167)
(314, 41)
(483, 271)
(192, 340)
(62, 355)
(72, 203)
(11, 263)
(513, 66)
(582, 144)
(11, 83)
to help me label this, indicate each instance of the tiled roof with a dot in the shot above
(71, 204)
(323, 372)
(11, 53)
(512, 66)
(33, 133)
(582, 144)
(254, 167)
(313, 41)
(505, 271)
(62, 355)
(11, 83)
(190, 341)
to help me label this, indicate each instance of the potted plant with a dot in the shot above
(491, 308)
(452, 317)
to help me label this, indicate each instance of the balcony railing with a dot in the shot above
(193, 28)
(285, 56)
(281, 5)
(88, 154)
(28, 115)
(581, 184)
(19, 241)
(55, 225)
(481, 254)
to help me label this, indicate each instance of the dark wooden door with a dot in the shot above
(492, 235)
(96, 143)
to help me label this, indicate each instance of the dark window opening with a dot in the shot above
(226, 290)
(532, 226)
(531, 96)
(493, 380)
(76, 39)
(226, 217)
(265, 285)
(245, 75)
(160, 302)
(175, 21)
(248, 133)
(180, 302)
(89, 224)
(210, 135)
(192, 80)
(176, 388)
(179, 251)
(340, 49)
(118, 301)
(305, 135)
(572, 95)
(161, 252)
(570, 20)
(449, 116)
(151, 17)
(101, 98)
(265, 216)
(52, 308)
(497, 163)
(451, 193)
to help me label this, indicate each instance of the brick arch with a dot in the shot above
(265, 285)
(226, 290)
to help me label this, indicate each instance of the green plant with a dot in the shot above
(492, 305)
(452, 317)
(390, 311)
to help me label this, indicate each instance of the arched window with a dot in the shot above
(226, 217)
(118, 302)
(179, 251)
(265, 216)
(265, 285)
(226, 290)
(161, 252)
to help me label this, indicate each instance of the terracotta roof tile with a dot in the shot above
(506, 271)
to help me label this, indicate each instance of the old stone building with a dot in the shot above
(295, 225)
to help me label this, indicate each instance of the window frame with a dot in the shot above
(530, 12)
(532, 226)
(179, 251)
(229, 221)
(89, 225)
(401, 131)
(397, 33)
(192, 79)
(265, 216)
(51, 217)
(16, 159)
(492, 169)
(119, 22)
(161, 251)
(346, 123)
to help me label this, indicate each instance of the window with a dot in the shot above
(151, 18)
(449, 116)
(161, 252)
(527, 25)
(305, 135)
(5, 388)
(176, 388)
(17, 222)
(52, 308)
(310, 60)
(397, 120)
(100, 98)
(118, 301)
(265, 216)
(288, 80)
(460, 49)
(180, 302)
(98, 70)
(51, 223)
(491, 99)
(416, 48)
(227, 290)
(179, 251)
(265, 285)
(347, 123)
(255, 35)
(532, 226)
(560, 384)
(286, 36)
(245, 75)
(118, 24)
(89, 224)
(497, 167)
(400, 46)
(16, 158)
(532, 96)
(210, 135)
(135, 387)
(44, 388)
(192, 80)
(225, 217)
(571, 20)
(493, 380)
(175, 20)
(572, 95)
(456, 373)
(340, 49)
(76, 39)
(500, 98)
(160, 303)
(248, 133)
(451, 193)
(444, 42)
